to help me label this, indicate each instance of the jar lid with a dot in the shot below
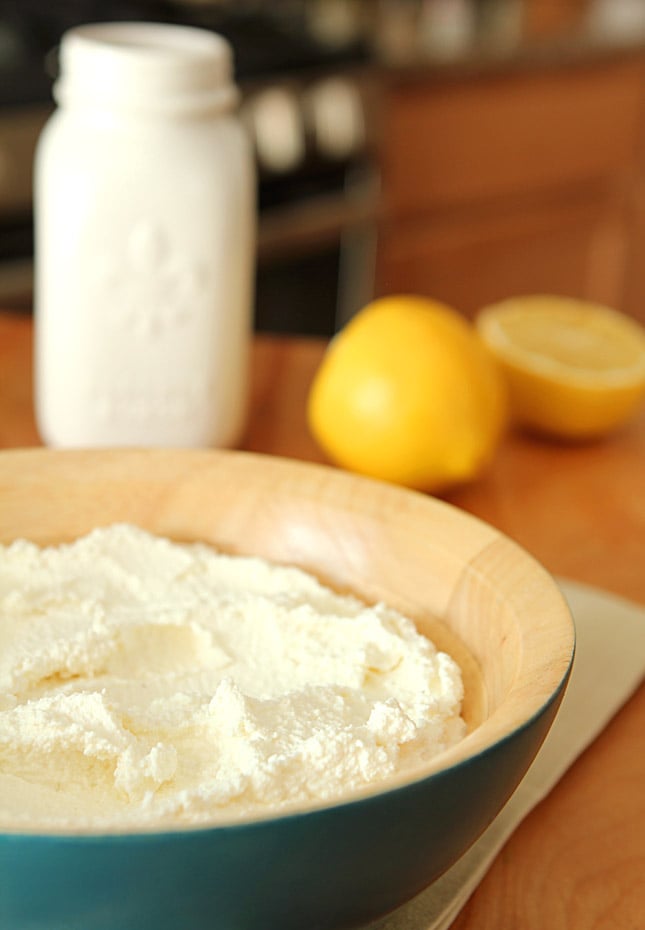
(150, 67)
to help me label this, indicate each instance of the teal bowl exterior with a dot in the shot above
(332, 868)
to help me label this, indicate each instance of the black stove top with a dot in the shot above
(266, 42)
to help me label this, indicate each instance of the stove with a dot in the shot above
(311, 108)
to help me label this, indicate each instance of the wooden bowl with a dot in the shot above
(474, 592)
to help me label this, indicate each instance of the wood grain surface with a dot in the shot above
(578, 861)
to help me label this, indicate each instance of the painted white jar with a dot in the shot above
(144, 208)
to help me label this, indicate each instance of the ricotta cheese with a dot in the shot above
(145, 682)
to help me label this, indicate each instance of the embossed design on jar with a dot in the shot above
(146, 287)
(141, 403)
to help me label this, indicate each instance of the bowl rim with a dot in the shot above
(25, 468)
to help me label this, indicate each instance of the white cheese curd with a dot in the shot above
(145, 682)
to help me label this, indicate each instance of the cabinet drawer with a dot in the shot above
(450, 142)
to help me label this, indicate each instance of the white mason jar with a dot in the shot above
(144, 209)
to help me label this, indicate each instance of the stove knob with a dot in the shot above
(277, 127)
(335, 112)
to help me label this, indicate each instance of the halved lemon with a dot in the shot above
(574, 369)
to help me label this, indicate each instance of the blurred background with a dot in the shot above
(464, 149)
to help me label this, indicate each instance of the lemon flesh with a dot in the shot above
(574, 370)
(407, 393)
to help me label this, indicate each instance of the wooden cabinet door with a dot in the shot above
(634, 295)
(522, 182)
(574, 246)
(488, 138)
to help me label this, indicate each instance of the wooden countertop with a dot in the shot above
(578, 861)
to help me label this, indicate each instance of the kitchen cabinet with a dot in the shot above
(529, 179)
(634, 292)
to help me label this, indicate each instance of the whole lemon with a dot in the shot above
(407, 392)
